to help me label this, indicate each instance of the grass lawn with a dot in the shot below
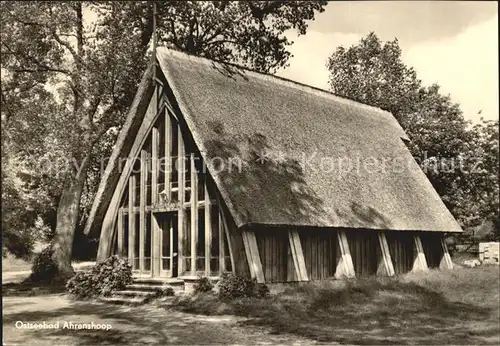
(459, 306)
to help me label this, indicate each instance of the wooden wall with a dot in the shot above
(365, 251)
(275, 255)
(431, 242)
(319, 247)
(401, 246)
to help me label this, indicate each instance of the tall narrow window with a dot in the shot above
(166, 229)
(147, 243)
(200, 244)
(214, 248)
(136, 243)
(124, 219)
(186, 242)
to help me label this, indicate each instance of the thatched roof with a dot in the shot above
(307, 137)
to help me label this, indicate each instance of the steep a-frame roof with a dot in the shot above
(308, 157)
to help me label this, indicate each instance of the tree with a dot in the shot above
(460, 161)
(26, 201)
(73, 80)
(484, 178)
(372, 73)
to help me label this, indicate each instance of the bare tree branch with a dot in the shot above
(67, 45)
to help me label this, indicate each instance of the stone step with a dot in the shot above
(158, 282)
(131, 293)
(124, 300)
(152, 288)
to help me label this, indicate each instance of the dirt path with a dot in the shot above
(129, 325)
(15, 274)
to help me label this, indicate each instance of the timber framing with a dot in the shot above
(385, 266)
(164, 188)
(345, 266)
(252, 253)
(445, 262)
(420, 262)
(297, 256)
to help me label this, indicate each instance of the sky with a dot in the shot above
(452, 43)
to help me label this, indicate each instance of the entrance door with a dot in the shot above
(167, 244)
(154, 254)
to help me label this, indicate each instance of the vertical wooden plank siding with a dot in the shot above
(420, 262)
(401, 246)
(194, 214)
(120, 234)
(319, 248)
(208, 231)
(265, 252)
(446, 262)
(274, 249)
(345, 267)
(142, 208)
(180, 223)
(297, 256)
(167, 159)
(431, 243)
(253, 258)
(386, 266)
(222, 251)
(131, 219)
(291, 274)
(364, 251)
(395, 248)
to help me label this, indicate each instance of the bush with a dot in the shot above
(203, 285)
(82, 285)
(261, 291)
(44, 269)
(113, 274)
(164, 292)
(19, 243)
(231, 287)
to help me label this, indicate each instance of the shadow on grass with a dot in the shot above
(141, 325)
(129, 325)
(362, 312)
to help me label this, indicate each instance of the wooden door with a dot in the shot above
(166, 244)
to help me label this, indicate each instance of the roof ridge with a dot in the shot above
(301, 86)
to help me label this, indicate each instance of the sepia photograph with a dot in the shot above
(250, 172)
